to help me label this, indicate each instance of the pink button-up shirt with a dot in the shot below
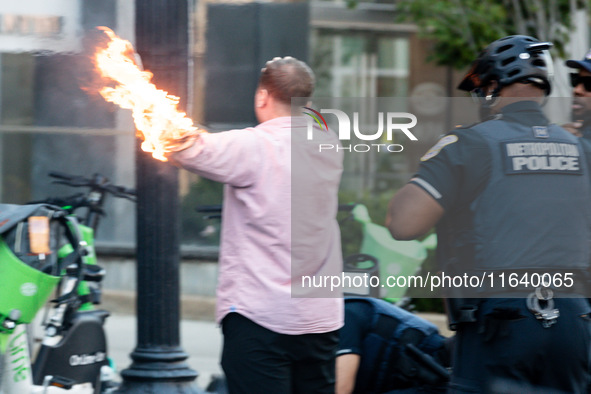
(267, 242)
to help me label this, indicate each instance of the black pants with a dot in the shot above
(256, 360)
(509, 351)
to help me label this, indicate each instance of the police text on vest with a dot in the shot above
(541, 157)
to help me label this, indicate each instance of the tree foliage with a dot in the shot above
(460, 29)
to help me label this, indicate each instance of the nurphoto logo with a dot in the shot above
(317, 117)
(388, 122)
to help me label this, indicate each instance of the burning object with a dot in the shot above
(162, 126)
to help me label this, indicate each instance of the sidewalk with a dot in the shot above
(200, 337)
(201, 340)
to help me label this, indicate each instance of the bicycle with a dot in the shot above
(73, 353)
(30, 270)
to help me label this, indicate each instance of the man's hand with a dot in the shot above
(574, 128)
(183, 142)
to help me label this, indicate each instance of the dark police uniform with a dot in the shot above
(586, 129)
(516, 193)
(379, 332)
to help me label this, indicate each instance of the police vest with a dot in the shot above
(384, 366)
(535, 211)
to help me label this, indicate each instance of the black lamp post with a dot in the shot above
(159, 363)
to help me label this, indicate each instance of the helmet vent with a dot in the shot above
(539, 63)
(508, 60)
(513, 72)
(504, 48)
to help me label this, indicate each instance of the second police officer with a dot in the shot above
(581, 104)
(509, 194)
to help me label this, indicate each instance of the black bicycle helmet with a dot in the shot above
(511, 59)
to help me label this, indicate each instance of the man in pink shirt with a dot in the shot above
(279, 223)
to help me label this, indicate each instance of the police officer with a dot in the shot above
(581, 105)
(509, 194)
(384, 348)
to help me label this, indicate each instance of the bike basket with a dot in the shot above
(26, 279)
(21, 287)
(395, 258)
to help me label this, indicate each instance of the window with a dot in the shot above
(48, 122)
(360, 64)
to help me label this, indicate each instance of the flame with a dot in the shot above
(154, 111)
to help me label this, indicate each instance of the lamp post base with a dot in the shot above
(159, 370)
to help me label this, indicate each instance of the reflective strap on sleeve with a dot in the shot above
(428, 187)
